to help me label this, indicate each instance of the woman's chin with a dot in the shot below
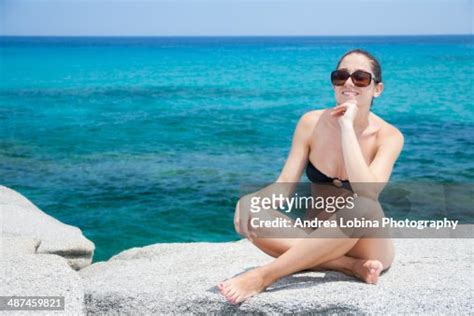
(349, 99)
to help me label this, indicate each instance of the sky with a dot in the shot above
(235, 17)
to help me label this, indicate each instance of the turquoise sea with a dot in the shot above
(146, 140)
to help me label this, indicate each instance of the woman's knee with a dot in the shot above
(238, 229)
(367, 207)
(237, 220)
(381, 249)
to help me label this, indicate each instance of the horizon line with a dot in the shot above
(257, 35)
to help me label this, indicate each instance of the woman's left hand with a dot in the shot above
(345, 113)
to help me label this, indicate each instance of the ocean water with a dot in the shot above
(146, 140)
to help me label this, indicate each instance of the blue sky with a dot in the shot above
(233, 17)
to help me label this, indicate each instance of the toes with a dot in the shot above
(232, 293)
(370, 272)
(374, 272)
(225, 283)
(380, 267)
(226, 287)
(239, 299)
(374, 266)
(221, 291)
(227, 291)
(377, 265)
(231, 297)
(234, 298)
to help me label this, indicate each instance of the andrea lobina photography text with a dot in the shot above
(362, 222)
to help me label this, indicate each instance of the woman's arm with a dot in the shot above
(358, 171)
(296, 161)
(290, 174)
(298, 156)
(380, 168)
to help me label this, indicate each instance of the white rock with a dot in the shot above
(20, 217)
(433, 276)
(14, 245)
(42, 275)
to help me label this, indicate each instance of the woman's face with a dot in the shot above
(350, 92)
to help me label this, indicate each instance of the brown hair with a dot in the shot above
(375, 64)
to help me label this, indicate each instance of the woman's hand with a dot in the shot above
(345, 113)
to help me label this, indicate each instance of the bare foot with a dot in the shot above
(367, 270)
(241, 287)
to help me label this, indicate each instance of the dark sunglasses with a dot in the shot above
(360, 78)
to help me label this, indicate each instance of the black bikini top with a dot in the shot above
(316, 176)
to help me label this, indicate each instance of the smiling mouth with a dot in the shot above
(350, 93)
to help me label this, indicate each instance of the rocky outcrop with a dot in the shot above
(429, 276)
(39, 255)
(41, 275)
(21, 218)
(433, 276)
(17, 245)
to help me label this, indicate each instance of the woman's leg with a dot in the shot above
(359, 262)
(308, 253)
(305, 255)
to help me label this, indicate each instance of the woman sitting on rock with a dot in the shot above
(344, 144)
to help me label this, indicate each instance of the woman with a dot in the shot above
(344, 143)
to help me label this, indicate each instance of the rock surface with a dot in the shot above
(17, 246)
(432, 276)
(19, 217)
(429, 276)
(41, 275)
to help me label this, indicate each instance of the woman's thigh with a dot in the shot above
(365, 248)
(275, 246)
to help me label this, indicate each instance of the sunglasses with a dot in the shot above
(360, 78)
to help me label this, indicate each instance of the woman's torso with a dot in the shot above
(325, 148)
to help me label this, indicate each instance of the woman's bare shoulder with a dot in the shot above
(387, 130)
(306, 125)
(310, 118)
